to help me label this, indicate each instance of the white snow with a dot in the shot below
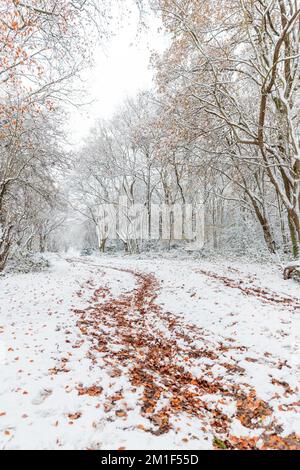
(41, 369)
(293, 264)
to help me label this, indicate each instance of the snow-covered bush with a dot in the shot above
(26, 262)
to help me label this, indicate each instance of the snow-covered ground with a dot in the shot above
(120, 352)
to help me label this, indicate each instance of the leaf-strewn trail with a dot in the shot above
(157, 351)
(265, 295)
(136, 365)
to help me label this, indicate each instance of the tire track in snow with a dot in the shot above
(263, 294)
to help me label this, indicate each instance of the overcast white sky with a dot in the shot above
(121, 69)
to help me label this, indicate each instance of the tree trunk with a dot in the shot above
(5, 245)
(102, 245)
(295, 237)
(265, 225)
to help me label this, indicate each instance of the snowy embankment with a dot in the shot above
(110, 353)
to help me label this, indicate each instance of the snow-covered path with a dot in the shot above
(109, 353)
